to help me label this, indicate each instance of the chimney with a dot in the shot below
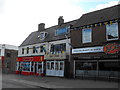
(60, 20)
(41, 27)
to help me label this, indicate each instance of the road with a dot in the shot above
(7, 82)
(51, 83)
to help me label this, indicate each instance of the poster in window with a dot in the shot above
(112, 31)
(86, 35)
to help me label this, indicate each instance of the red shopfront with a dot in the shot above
(31, 65)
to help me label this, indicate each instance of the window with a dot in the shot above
(112, 31)
(35, 50)
(42, 49)
(61, 65)
(52, 65)
(43, 35)
(0, 52)
(27, 50)
(48, 65)
(8, 54)
(56, 65)
(22, 50)
(62, 31)
(86, 35)
(58, 48)
(26, 66)
(7, 65)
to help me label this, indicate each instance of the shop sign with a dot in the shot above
(1, 58)
(34, 59)
(111, 48)
(88, 50)
(55, 56)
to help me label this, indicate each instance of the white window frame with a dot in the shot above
(115, 31)
(44, 36)
(90, 37)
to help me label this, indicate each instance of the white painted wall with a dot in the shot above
(6, 46)
(48, 46)
(31, 50)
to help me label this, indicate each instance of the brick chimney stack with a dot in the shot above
(41, 27)
(60, 20)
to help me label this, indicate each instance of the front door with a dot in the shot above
(35, 67)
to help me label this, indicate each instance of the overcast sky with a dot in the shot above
(18, 18)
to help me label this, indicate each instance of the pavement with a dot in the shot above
(58, 82)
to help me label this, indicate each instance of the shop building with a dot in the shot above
(8, 54)
(46, 51)
(96, 51)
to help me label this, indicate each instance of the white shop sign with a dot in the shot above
(87, 50)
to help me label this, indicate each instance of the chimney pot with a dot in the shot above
(60, 20)
(41, 27)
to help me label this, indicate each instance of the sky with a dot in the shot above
(18, 18)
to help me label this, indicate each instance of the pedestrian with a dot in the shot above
(20, 70)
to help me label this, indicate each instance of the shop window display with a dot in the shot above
(56, 66)
(86, 66)
(48, 65)
(61, 65)
(52, 65)
(25, 66)
(58, 48)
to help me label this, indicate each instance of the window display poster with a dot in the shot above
(86, 35)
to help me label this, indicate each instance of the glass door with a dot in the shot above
(61, 68)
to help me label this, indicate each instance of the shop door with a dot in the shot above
(57, 68)
(35, 67)
(61, 68)
(40, 67)
(48, 67)
(52, 72)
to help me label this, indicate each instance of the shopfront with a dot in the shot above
(55, 68)
(100, 61)
(55, 60)
(32, 65)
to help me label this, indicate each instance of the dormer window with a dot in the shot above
(62, 31)
(42, 35)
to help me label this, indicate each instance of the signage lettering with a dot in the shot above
(88, 50)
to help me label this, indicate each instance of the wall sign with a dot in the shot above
(111, 48)
(34, 59)
(87, 50)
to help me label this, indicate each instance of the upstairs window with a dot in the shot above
(58, 48)
(43, 48)
(62, 31)
(8, 54)
(27, 50)
(87, 35)
(22, 50)
(35, 49)
(42, 35)
(112, 31)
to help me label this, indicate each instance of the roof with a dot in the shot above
(102, 15)
(33, 37)
(7, 46)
